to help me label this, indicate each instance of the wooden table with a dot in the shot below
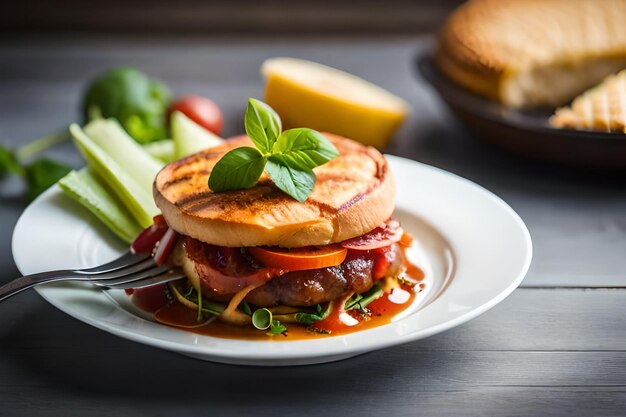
(556, 346)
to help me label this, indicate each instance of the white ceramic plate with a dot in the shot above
(474, 249)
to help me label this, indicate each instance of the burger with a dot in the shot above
(257, 258)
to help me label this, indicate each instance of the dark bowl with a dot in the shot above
(527, 132)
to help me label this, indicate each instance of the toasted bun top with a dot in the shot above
(353, 194)
(485, 43)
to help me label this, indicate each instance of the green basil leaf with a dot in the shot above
(262, 125)
(304, 148)
(9, 162)
(239, 168)
(245, 307)
(43, 173)
(276, 328)
(310, 318)
(297, 183)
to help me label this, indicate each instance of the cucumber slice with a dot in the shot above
(189, 137)
(86, 188)
(124, 166)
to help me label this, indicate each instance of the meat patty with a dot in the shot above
(306, 288)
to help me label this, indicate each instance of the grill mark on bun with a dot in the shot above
(188, 201)
(230, 200)
(175, 181)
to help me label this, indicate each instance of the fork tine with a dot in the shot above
(127, 259)
(146, 273)
(124, 271)
(147, 282)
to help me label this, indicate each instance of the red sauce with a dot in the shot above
(382, 310)
(177, 315)
(151, 299)
(167, 310)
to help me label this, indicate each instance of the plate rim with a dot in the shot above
(310, 355)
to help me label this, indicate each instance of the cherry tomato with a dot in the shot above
(300, 259)
(201, 110)
(384, 235)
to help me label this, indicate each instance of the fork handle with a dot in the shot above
(28, 281)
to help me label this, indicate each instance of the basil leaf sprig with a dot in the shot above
(39, 173)
(288, 157)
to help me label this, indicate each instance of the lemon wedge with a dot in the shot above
(308, 94)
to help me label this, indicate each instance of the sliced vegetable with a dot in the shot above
(92, 193)
(130, 96)
(165, 247)
(112, 139)
(233, 316)
(226, 270)
(201, 110)
(125, 168)
(262, 319)
(189, 298)
(162, 150)
(147, 240)
(388, 233)
(300, 259)
(189, 137)
(361, 301)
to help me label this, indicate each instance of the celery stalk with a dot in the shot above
(189, 137)
(123, 166)
(84, 187)
(163, 150)
(109, 136)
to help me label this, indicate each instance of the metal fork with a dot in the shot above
(131, 270)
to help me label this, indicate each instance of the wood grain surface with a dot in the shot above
(555, 347)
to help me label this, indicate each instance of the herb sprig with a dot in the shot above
(288, 157)
(39, 173)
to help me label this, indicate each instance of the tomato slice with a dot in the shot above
(226, 270)
(149, 237)
(388, 233)
(300, 259)
(158, 239)
(165, 246)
